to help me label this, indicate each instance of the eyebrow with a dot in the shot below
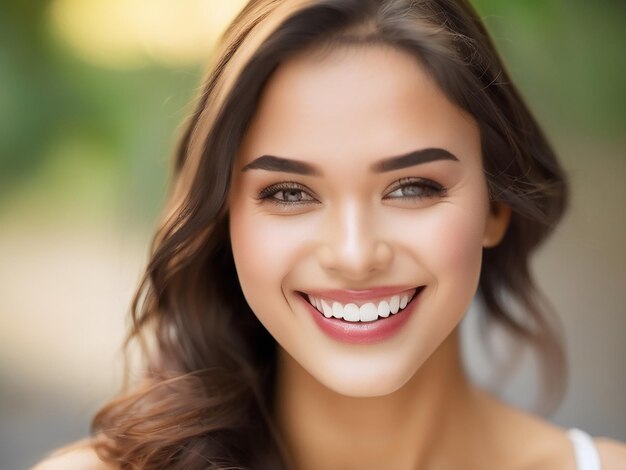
(286, 165)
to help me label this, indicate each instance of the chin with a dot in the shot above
(365, 382)
(366, 388)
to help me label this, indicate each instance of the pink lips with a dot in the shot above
(346, 296)
(361, 332)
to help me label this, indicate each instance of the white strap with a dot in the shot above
(587, 457)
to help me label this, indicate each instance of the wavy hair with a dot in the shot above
(207, 399)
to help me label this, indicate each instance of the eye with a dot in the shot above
(416, 188)
(287, 193)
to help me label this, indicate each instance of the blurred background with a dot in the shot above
(92, 97)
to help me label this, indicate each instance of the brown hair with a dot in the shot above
(207, 401)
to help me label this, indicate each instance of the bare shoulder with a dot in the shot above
(612, 453)
(523, 440)
(79, 456)
(535, 443)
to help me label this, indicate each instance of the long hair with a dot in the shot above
(207, 399)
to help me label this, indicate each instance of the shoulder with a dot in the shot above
(79, 456)
(612, 453)
(526, 441)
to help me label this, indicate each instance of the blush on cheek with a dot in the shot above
(449, 244)
(265, 249)
(460, 251)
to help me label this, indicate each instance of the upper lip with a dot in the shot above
(348, 295)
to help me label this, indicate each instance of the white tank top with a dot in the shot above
(587, 457)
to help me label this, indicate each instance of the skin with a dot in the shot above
(362, 406)
(405, 402)
(346, 232)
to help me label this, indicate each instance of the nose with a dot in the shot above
(353, 246)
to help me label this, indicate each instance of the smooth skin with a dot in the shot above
(403, 403)
(352, 227)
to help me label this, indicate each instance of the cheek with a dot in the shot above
(265, 250)
(457, 247)
(448, 244)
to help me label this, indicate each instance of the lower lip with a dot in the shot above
(363, 332)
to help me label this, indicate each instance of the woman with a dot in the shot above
(355, 173)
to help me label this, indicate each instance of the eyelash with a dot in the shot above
(429, 187)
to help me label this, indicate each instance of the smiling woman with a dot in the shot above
(355, 174)
(358, 233)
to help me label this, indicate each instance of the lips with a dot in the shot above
(362, 332)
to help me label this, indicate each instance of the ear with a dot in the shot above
(497, 223)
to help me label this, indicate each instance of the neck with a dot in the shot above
(409, 428)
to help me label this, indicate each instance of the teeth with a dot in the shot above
(394, 305)
(351, 313)
(337, 310)
(326, 310)
(370, 311)
(383, 309)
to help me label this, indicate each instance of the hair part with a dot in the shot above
(207, 402)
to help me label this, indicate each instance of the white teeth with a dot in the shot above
(328, 312)
(383, 309)
(337, 310)
(367, 312)
(394, 305)
(351, 313)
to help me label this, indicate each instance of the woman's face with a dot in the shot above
(359, 187)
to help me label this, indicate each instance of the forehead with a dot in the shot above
(371, 100)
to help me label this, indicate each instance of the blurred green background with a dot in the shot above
(92, 97)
